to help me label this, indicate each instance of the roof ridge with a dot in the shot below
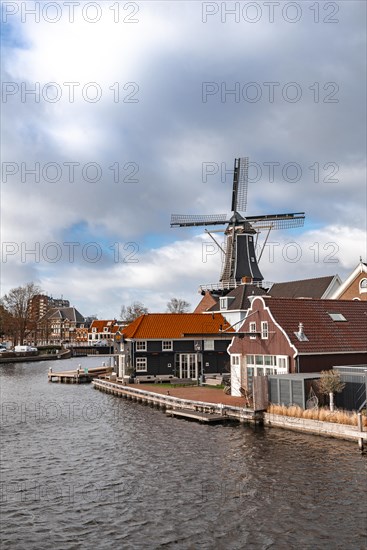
(307, 279)
(138, 322)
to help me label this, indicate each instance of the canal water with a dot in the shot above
(83, 469)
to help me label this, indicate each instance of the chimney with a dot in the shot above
(300, 334)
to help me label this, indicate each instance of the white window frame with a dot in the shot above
(209, 345)
(223, 303)
(141, 364)
(167, 345)
(282, 364)
(252, 328)
(235, 359)
(363, 288)
(264, 330)
(141, 345)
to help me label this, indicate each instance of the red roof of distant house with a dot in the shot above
(175, 325)
(206, 302)
(101, 324)
(324, 334)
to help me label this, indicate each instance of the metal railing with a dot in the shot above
(229, 285)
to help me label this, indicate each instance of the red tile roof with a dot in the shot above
(206, 302)
(157, 326)
(324, 334)
(101, 324)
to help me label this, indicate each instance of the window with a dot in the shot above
(252, 329)
(264, 330)
(141, 364)
(337, 317)
(94, 329)
(282, 364)
(208, 345)
(223, 303)
(260, 365)
(105, 329)
(141, 345)
(250, 375)
(235, 360)
(363, 286)
(167, 345)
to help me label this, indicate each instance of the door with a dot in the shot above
(189, 365)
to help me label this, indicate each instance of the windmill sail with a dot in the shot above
(179, 220)
(240, 185)
(240, 263)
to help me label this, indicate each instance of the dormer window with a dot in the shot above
(223, 303)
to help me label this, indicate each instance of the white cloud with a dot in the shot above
(169, 133)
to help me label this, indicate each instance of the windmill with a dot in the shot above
(240, 263)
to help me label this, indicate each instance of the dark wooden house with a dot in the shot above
(183, 345)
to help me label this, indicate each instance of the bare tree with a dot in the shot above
(16, 303)
(8, 327)
(177, 305)
(130, 313)
(330, 383)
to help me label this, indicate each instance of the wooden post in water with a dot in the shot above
(360, 429)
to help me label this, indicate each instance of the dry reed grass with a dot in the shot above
(323, 414)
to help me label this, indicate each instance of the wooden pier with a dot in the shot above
(79, 375)
(196, 415)
(175, 406)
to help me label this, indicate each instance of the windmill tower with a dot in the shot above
(240, 263)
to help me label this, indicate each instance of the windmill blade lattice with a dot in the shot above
(277, 221)
(180, 220)
(240, 185)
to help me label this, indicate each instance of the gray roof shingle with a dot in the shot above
(305, 288)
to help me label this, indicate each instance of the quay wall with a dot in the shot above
(315, 427)
(171, 402)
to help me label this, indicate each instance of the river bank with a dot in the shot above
(214, 401)
(28, 358)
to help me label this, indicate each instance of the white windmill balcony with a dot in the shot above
(232, 283)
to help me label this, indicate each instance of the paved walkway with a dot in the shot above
(195, 393)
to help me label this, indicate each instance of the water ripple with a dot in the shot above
(82, 469)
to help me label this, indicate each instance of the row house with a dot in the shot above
(355, 285)
(102, 332)
(60, 326)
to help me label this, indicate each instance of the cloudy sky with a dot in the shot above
(117, 114)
